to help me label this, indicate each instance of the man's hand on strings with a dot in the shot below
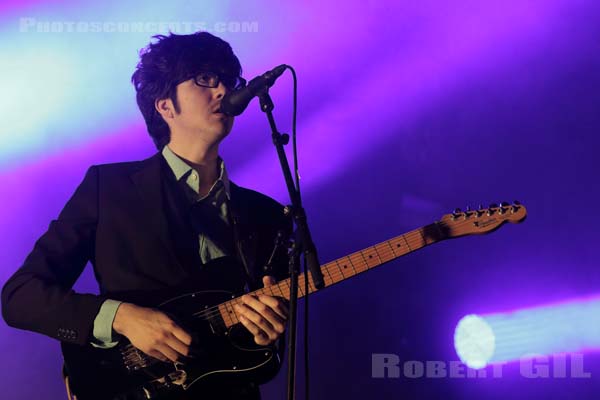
(152, 331)
(263, 315)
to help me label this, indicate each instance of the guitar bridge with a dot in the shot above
(133, 359)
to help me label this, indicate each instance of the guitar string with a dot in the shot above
(412, 238)
(214, 311)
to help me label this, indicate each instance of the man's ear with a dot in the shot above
(165, 108)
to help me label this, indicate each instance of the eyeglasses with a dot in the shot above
(211, 80)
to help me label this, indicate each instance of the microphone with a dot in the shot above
(235, 102)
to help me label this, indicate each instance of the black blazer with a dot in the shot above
(126, 219)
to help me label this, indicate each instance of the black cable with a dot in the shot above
(306, 272)
(294, 148)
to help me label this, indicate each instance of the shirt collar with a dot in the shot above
(181, 169)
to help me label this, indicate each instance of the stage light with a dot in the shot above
(549, 329)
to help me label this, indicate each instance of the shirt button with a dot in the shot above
(194, 177)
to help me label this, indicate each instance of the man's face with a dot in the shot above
(198, 106)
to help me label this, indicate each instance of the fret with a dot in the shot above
(340, 269)
(399, 246)
(301, 286)
(332, 273)
(331, 281)
(406, 241)
(382, 249)
(278, 286)
(289, 289)
(368, 257)
(359, 262)
(230, 312)
(388, 242)
(348, 267)
(351, 264)
(423, 239)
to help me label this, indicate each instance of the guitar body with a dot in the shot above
(218, 354)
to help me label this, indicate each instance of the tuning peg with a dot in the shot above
(503, 207)
(515, 207)
(479, 211)
(468, 212)
(456, 213)
(491, 209)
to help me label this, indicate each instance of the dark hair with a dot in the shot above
(171, 60)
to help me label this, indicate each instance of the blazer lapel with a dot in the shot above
(149, 182)
(245, 234)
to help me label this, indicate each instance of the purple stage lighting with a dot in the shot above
(549, 329)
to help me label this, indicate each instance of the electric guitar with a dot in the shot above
(222, 349)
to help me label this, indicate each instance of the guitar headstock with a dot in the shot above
(482, 220)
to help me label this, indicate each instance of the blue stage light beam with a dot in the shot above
(570, 326)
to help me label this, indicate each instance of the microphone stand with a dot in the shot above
(303, 243)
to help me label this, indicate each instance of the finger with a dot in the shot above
(260, 337)
(257, 319)
(181, 334)
(271, 324)
(275, 304)
(158, 355)
(268, 280)
(168, 352)
(265, 310)
(251, 326)
(177, 345)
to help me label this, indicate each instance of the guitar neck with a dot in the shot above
(348, 266)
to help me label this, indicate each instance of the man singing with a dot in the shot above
(153, 224)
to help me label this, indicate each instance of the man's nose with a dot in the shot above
(220, 90)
